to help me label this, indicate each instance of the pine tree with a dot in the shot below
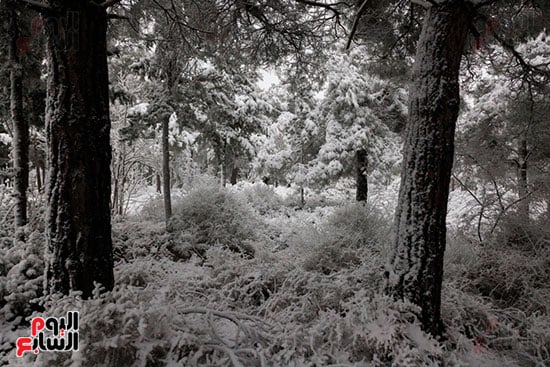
(79, 244)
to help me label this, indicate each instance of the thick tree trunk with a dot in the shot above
(523, 188)
(20, 130)
(361, 162)
(166, 171)
(416, 268)
(78, 234)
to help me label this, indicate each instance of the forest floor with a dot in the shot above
(246, 276)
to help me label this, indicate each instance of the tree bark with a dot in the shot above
(79, 244)
(166, 171)
(361, 161)
(20, 128)
(416, 267)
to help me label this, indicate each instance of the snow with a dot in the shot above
(140, 109)
(268, 79)
(5, 138)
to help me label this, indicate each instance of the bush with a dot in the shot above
(351, 234)
(21, 278)
(518, 233)
(262, 198)
(514, 278)
(152, 210)
(215, 216)
(158, 321)
(133, 240)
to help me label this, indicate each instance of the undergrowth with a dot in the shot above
(309, 296)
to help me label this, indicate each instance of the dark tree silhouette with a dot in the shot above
(79, 244)
(416, 269)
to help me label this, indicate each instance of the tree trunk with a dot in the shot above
(361, 161)
(234, 167)
(166, 171)
(78, 236)
(416, 268)
(149, 175)
(159, 185)
(234, 173)
(114, 206)
(37, 165)
(523, 188)
(20, 128)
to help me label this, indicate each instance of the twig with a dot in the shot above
(482, 205)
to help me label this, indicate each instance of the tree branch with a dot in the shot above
(322, 5)
(360, 12)
(109, 3)
(37, 6)
(529, 70)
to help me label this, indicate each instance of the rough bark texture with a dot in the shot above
(416, 268)
(166, 171)
(361, 162)
(20, 130)
(79, 241)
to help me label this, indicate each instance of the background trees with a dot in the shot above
(154, 103)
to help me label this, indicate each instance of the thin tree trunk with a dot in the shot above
(114, 206)
(149, 175)
(234, 172)
(37, 167)
(20, 131)
(523, 188)
(79, 244)
(159, 184)
(166, 171)
(233, 166)
(416, 269)
(122, 181)
(361, 161)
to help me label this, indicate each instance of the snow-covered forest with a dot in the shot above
(275, 183)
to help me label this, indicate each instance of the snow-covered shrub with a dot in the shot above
(349, 234)
(481, 333)
(198, 181)
(517, 232)
(22, 276)
(152, 210)
(215, 216)
(165, 321)
(361, 331)
(262, 198)
(137, 239)
(462, 254)
(360, 225)
(514, 278)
